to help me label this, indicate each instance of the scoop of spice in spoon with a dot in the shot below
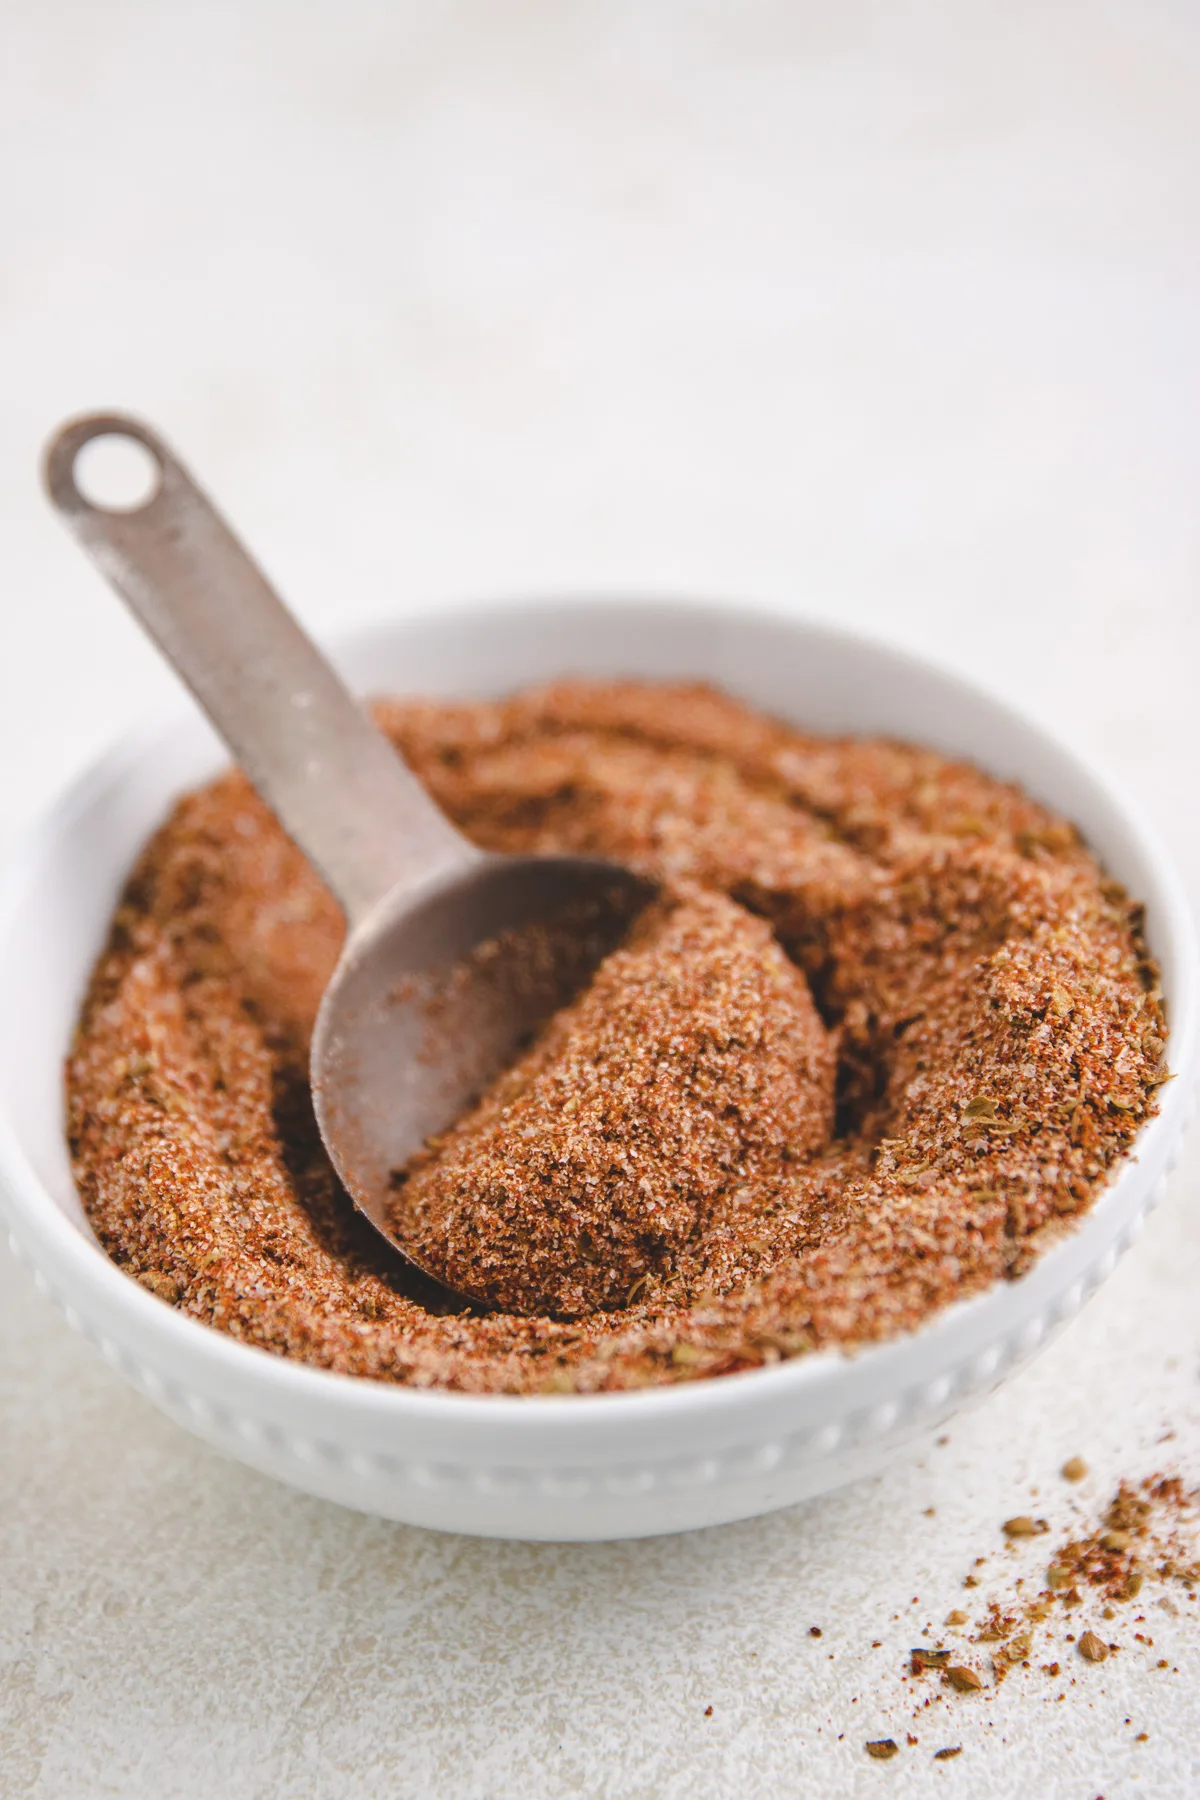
(691, 1069)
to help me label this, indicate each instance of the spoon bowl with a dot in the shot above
(437, 991)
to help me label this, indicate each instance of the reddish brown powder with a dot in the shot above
(660, 1110)
(987, 1016)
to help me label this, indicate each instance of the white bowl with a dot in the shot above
(603, 1466)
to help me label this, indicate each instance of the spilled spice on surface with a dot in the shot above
(1149, 1533)
(929, 1015)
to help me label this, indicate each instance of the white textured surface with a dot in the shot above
(888, 311)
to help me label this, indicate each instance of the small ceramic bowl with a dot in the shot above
(558, 1467)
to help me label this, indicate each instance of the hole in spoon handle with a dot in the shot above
(336, 784)
(65, 457)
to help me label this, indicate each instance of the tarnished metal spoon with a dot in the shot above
(414, 1023)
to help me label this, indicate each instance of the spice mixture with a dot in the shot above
(683, 1083)
(888, 1029)
(1096, 1589)
(1143, 1544)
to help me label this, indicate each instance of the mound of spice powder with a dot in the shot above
(887, 1033)
(672, 1095)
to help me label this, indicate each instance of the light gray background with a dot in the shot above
(887, 312)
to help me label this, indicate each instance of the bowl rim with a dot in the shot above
(24, 1193)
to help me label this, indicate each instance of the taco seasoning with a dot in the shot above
(887, 1029)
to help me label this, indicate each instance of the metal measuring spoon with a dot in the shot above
(436, 989)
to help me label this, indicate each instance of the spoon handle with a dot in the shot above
(334, 782)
